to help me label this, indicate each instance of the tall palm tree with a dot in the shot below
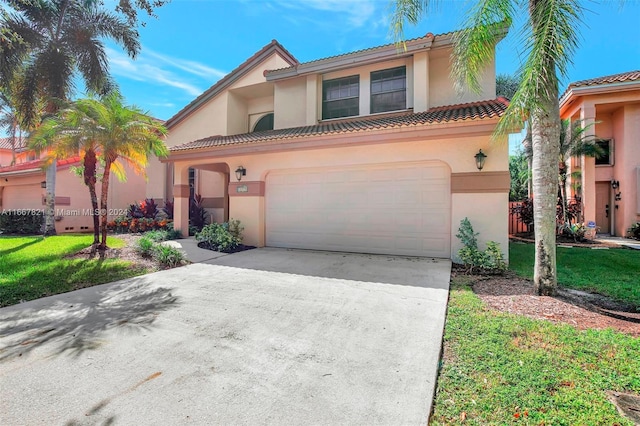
(52, 40)
(550, 39)
(71, 132)
(123, 135)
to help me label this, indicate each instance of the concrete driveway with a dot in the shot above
(267, 336)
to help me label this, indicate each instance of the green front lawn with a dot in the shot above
(614, 272)
(506, 369)
(33, 267)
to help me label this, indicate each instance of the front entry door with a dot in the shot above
(603, 209)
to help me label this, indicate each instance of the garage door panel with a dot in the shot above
(386, 209)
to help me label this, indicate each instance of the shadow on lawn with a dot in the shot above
(21, 246)
(76, 321)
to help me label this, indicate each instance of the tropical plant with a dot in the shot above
(145, 246)
(68, 133)
(48, 42)
(167, 256)
(634, 231)
(198, 215)
(224, 237)
(125, 135)
(519, 172)
(10, 119)
(491, 260)
(550, 39)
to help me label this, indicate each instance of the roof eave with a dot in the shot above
(228, 80)
(595, 89)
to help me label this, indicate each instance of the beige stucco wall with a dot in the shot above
(457, 153)
(289, 103)
(441, 85)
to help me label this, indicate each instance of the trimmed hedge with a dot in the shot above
(26, 222)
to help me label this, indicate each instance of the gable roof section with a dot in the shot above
(5, 143)
(456, 113)
(371, 54)
(232, 77)
(629, 77)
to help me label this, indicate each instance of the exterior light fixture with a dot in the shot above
(480, 157)
(615, 184)
(240, 171)
(43, 184)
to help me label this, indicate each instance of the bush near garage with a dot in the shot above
(25, 222)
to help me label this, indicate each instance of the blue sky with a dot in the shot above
(193, 43)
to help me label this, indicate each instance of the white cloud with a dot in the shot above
(357, 13)
(164, 70)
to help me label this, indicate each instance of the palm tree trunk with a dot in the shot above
(104, 193)
(50, 200)
(545, 125)
(90, 180)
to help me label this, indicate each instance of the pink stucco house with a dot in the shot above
(610, 185)
(371, 151)
(22, 187)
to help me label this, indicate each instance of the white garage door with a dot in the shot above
(400, 209)
(22, 197)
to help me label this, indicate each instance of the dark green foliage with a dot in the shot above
(491, 260)
(223, 237)
(25, 222)
(519, 172)
(163, 235)
(198, 216)
(506, 85)
(634, 231)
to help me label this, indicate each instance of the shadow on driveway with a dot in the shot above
(76, 320)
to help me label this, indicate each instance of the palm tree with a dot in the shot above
(69, 133)
(575, 141)
(550, 38)
(9, 119)
(52, 40)
(123, 135)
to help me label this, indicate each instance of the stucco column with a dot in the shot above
(246, 204)
(420, 82)
(588, 166)
(313, 88)
(181, 199)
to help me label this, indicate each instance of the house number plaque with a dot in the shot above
(242, 188)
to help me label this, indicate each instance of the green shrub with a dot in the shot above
(491, 260)
(222, 237)
(167, 256)
(26, 222)
(145, 247)
(634, 231)
(156, 236)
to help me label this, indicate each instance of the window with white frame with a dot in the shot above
(389, 90)
(341, 97)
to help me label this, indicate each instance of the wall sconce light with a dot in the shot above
(43, 184)
(615, 184)
(240, 171)
(480, 157)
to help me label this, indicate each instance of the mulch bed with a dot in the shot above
(515, 295)
(127, 252)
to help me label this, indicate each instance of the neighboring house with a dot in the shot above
(370, 151)
(21, 152)
(22, 187)
(610, 185)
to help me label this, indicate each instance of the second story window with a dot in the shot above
(389, 90)
(341, 97)
(606, 159)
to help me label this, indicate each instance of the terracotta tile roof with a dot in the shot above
(625, 77)
(5, 143)
(221, 84)
(38, 164)
(616, 78)
(428, 36)
(462, 112)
